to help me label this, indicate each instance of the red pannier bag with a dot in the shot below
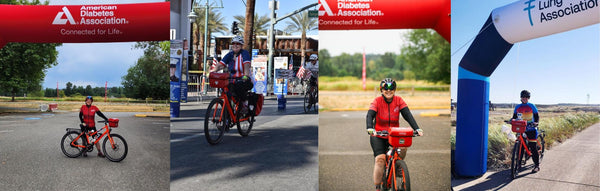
(400, 136)
(218, 80)
(260, 100)
(113, 122)
(519, 126)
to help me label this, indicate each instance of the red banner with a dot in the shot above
(385, 14)
(84, 23)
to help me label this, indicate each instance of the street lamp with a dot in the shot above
(192, 16)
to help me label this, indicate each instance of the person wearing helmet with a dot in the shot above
(86, 116)
(313, 66)
(384, 113)
(529, 113)
(237, 61)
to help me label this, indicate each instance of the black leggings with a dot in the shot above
(532, 135)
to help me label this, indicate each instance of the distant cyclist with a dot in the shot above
(86, 116)
(529, 113)
(237, 62)
(313, 66)
(385, 112)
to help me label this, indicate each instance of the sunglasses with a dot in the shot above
(388, 86)
(236, 43)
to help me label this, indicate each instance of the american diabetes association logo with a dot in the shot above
(556, 9)
(90, 15)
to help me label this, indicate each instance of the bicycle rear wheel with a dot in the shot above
(306, 102)
(541, 144)
(514, 161)
(215, 121)
(402, 178)
(68, 149)
(117, 151)
(245, 126)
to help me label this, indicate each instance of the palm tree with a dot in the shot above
(215, 25)
(301, 23)
(261, 24)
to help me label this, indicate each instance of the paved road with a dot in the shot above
(31, 158)
(572, 165)
(279, 154)
(346, 159)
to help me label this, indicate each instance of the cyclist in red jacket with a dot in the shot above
(86, 116)
(385, 112)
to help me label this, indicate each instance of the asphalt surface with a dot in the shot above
(31, 158)
(572, 165)
(346, 158)
(279, 154)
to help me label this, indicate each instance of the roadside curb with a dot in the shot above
(154, 115)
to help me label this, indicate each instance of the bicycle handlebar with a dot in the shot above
(533, 124)
(385, 133)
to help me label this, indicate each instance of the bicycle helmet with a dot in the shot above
(238, 39)
(90, 98)
(387, 84)
(525, 93)
(313, 57)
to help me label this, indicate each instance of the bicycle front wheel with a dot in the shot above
(117, 151)
(68, 149)
(401, 179)
(215, 121)
(244, 126)
(514, 160)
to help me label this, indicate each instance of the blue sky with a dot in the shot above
(560, 68)
(96, 63)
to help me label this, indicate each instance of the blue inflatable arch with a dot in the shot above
(515, 22)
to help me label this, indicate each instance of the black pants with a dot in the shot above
(240, 89)
(532, 135)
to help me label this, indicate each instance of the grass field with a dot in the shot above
(29, 106)
(346, 93)
(559, 124)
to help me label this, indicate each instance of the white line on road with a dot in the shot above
(6, 131)
(185, 138)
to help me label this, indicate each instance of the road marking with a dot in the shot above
(6, 131)
(371, 152)
(185, 138)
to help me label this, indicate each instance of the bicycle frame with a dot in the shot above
(390, 171)
(87, 136)
(228, 105)
(523, 144)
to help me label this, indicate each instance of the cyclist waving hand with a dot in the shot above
(385, 112)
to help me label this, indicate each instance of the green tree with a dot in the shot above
(69, 89)
(23, 66)
(302, 23)
(148, 77)
(428, 55)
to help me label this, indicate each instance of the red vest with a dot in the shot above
(388, 114)
(88, 115)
